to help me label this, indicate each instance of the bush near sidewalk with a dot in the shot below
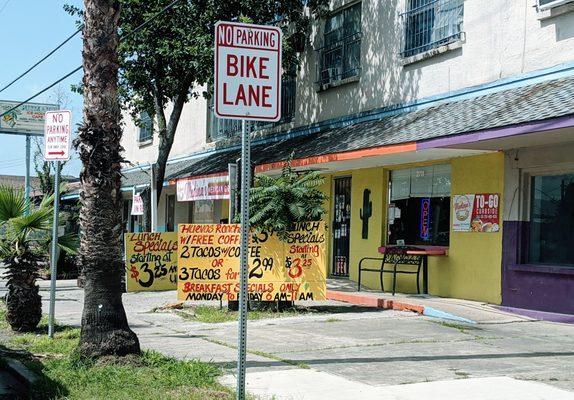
(149, 376)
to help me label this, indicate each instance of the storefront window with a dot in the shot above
(552, 220)
(419, 210)
(203, 212)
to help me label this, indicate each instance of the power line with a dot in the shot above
(43, 59)
(136, 29)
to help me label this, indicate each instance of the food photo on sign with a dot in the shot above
(476, 212)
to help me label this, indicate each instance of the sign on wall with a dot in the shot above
(207, 188)
(151, 261)
(247, 71)
(57, 135)
(476, 212)
(27, 118)
(137, 204)
(208, 263)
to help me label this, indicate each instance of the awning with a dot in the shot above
(411, 136)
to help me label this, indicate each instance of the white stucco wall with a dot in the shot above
(190, 135)
(504, 38)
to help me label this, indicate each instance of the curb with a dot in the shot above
(21, 372)
(389, 304)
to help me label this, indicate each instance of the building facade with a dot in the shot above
(452, 121)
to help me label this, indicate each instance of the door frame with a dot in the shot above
(332, 230)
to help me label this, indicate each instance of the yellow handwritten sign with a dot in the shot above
(209, 265)
(151, 261)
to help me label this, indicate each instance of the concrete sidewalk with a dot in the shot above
(313, 385)
(433, 306)
(348, 351)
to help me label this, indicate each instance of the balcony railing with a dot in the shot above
(430, 24)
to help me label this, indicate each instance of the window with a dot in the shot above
(419, 210)
(288, 87)
(170, 213)
(222, 128)
(340, 56)
(430, 24)
(552, 220)
(546, 4)
(146, 128)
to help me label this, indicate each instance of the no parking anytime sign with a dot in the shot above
(57, 135)
(247, 71)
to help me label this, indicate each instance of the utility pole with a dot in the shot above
(27, 177)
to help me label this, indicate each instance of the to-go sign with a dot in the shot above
(57, 135)
(247, 71)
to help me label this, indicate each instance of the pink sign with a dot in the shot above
(207, 188)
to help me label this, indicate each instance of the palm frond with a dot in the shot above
(69, 243)
(37, 220)
(12, 203)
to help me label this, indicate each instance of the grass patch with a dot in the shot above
(333, 320)
(215, 315)
(63, 375)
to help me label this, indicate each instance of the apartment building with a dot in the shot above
(453, 118)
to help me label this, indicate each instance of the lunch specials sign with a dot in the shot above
(247, 71)
(476, 212)
(151, 261)
(209, 265)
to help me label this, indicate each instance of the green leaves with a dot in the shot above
(278, 202)
(12, 203)
(21, 232)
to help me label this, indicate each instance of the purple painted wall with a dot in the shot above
(544, 288)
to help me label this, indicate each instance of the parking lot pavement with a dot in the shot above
(359, 346)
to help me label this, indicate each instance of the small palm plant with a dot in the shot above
(24, 240)
(278, 202)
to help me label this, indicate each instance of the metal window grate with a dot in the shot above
(146, 128)
(340, 56)
(222, 128)
(430, 24)
(288, 96)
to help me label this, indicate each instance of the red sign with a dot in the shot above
(57, 135)
(247, 71)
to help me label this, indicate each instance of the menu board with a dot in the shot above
(288, 270)
(151, 261)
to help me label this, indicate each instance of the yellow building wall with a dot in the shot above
(472, 268)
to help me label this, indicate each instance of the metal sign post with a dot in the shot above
(57, 138)
(54, 254)
(245, 185)
(247, 87)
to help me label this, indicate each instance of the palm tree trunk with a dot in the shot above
(105, 329)
(23, 302)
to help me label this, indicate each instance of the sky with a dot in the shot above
(29, 29)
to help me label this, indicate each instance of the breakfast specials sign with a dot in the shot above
(288, 270)
(476, 212)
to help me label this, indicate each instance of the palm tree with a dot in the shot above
(105, 329)
(276, 203)
(23, 245)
